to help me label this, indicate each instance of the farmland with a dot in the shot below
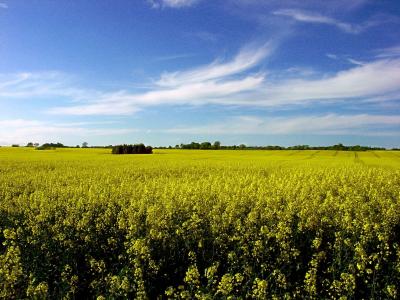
(82, 223)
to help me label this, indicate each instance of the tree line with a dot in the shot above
(206, 146)
(217, 146)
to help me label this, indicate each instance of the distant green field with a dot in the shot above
(199, 224)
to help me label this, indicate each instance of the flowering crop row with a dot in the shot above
(199, 225)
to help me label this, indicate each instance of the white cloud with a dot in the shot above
(199, 92)
(374, 81)
(3, 5)
(122, 103)
(388, 52)
(345, 58)
(247, 58)
(109, 108)
(172, 3)
(355, 62)
(231, 83)
(332, 56)
(174, 57)
(193, 87)
(41, 84)
(22, 131)
(308, 17)
(365, 81)
(330, 124)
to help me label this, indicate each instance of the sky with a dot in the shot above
(165, 72)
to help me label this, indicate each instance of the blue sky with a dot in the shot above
(166, 72)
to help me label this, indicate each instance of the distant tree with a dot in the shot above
(194, 145)
(36, 144)
(85, 145)
(242, 146)
(77, 146)
(205, 145)
(217, 145)
(14, 145)
(177, 146)
(339, 147)
(30, 144)
(53, 145)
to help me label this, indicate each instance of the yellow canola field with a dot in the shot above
(198, 224)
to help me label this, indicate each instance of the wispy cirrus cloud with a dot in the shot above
(19, 130)
(124, 103)
(42, 84)
(119, 107)
(172, 3)
(343, 5)
(377, 80)
(205, 36)
(312, 17)
(197, 86)
(174, 57)
(388, 52)
(3, 5)
(247, 58)
(236, 82)
(381, 77)
(328, 124)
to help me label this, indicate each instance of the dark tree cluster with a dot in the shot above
(54, 145)
(50, 146)
(341, 147)
(203, 146)
(132, 149)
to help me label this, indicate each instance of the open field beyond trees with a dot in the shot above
(82, 223)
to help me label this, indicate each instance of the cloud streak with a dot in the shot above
(197, 86)
(388, 52)
(247, 58)
(329, 124)
(42, 84)
(172, 3)
(20, 130)
(381, 77)
(309, 17)
(236, 82)
(174, 57)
